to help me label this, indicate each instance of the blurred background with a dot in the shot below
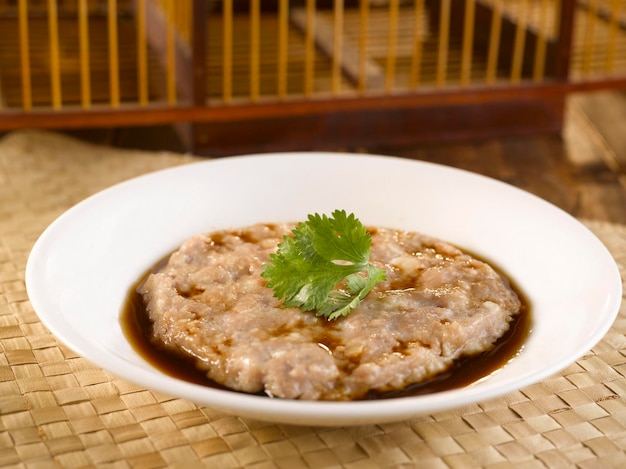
(528, 91)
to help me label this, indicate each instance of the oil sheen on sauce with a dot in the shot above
(137, 328)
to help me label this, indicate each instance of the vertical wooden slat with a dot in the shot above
(444, 40)
(179, 19)
(176, 15)
(609, 64)
(588, 45)
(283, 37)
(55, 65)
(309, 49)
(186, 14)
(494, 42)
(519, 42)
(142, 53)
(337, 47)
(364, 9)
(416, 59)
(170, 47)
(183, 19)
(188, 17)
(565, 26)
(27, 98)
(392, 40)
(114, 74)
(468, 41)
(227, 53)
(83, 40)
(255, 48)
(541, 47)
(199, 19)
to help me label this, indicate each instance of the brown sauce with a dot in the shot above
(465, 371)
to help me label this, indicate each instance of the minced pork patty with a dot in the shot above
(438, 304)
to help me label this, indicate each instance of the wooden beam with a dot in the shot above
(126, 115)
(563, 52)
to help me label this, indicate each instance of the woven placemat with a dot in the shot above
(58, 410)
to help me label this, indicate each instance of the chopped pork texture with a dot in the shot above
(438, 304)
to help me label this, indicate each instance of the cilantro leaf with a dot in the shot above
(322, 255)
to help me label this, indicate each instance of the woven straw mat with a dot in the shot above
(58, 410)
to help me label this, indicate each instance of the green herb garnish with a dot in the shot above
(309, 268)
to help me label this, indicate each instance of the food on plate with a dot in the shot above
(419, 306)
(321, 266)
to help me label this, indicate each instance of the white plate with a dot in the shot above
(80, 270)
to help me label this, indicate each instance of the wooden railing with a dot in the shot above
(211, 64)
